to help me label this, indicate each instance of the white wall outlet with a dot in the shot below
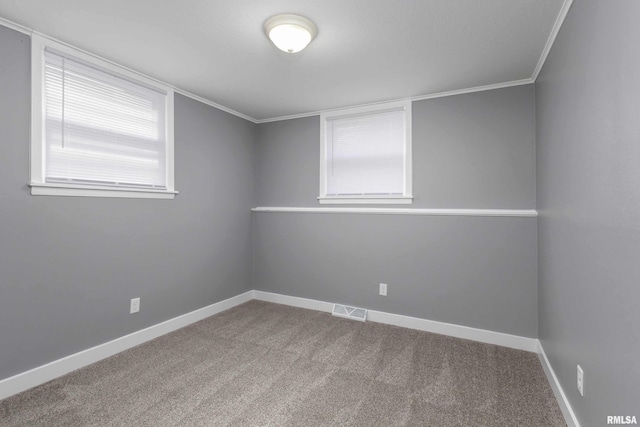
(135, 305)
(383, 289)
(580, 381)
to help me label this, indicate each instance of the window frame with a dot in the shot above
(406, 197)
(37, 144)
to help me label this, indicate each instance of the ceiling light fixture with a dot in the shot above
(290, 33)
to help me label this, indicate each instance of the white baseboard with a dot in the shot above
(563, 402)
(458, 331)
(57, 368)
(311, 304)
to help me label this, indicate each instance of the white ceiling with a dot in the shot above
(366, 50)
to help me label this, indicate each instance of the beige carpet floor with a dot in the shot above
(263, 364)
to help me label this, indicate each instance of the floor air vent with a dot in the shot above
(349, 312)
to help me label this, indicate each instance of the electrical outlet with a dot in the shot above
(580, 381)
(383, 289)
(135, 305)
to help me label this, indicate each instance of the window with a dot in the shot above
(97, 129)
(365, 155)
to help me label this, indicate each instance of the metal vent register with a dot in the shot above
(347, 312)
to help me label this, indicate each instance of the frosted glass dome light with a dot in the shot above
(290, 33)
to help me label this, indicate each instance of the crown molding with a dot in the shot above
(552, 38)
(545, 53)
(15, 26)
(473, 89)
(413, 98)
(214, 105)
(28, 31)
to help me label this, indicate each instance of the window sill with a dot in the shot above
(365, 200)
(40, 189)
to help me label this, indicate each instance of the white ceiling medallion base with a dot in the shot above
(290, 33)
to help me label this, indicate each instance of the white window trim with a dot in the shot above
(407, 197)
(37, 183)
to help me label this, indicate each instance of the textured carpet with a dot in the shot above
(263, 364)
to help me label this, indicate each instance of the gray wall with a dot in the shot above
(68, 266)
(478, 272)
(588, 128)
(469, 151)
(474, 151)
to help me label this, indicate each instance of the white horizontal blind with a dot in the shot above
(365, 154)
(102, 129)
